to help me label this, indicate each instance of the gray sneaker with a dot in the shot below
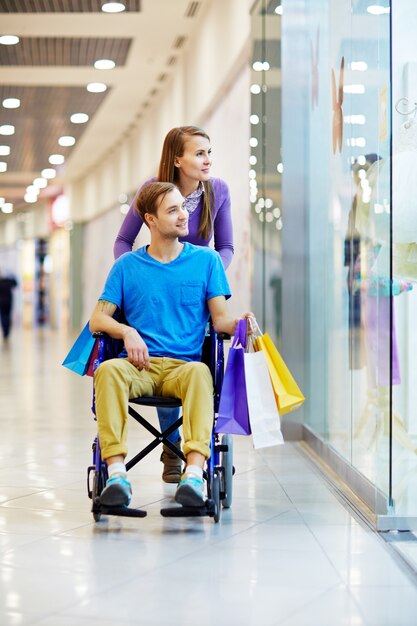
(190, 491)
(117, 492)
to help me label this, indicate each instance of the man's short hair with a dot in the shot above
(150, 196)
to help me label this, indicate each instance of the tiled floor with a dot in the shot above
(286, 554)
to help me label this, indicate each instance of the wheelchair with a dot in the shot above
(219, 469)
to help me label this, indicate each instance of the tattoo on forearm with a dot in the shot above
(106, 307)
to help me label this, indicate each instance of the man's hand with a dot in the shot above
(136, 348)
(250, 319)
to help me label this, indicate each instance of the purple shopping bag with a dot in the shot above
(233, 417)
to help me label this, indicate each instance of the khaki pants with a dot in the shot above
(117, 380)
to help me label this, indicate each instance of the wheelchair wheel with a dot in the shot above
(216, 497)
(226, 461)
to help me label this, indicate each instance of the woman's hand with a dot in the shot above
(136, 348)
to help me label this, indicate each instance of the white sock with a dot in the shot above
(116, 468)
(194, 470)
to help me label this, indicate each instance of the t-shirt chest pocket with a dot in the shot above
(191, 292)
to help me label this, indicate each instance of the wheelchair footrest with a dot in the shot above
(122, 511)
(189, 511)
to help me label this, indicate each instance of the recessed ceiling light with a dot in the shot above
(7, 129)
(113, 7)
(7, 207)
(11, 103)
(104, 64)
(4, 150)
(9, 40)
(2, 201)
(96, 87)
(33, 190)
(48, 172)
(56, 159)
(66, 140)
(30, 198)
(377, 9)
(41, 183)
(3, 166)
(79, 118)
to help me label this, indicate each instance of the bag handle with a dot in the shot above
(239, 339)
(253, 325)
(255, 331)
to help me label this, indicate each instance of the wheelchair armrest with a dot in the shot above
(99, 334)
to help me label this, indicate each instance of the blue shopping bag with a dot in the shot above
(79, 357)
(233, 416)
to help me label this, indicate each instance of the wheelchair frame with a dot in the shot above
(219, 467)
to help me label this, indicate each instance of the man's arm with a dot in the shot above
(102, 321)
(222, 321)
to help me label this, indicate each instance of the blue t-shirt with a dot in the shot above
(167, 302)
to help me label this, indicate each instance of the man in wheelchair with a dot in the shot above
(167, 291)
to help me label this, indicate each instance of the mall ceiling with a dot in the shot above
(44, 78)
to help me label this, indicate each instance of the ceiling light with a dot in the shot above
(30, 198)
(113, 7)
(7, 207)
(359, 88)
(261, 66)
(41, 183)
(104, 64)
(48, 172)
(278, 10)
(377, 9)
(32, 190)
(7, 129)
(11, 103)
(255, 88)
(253, 142)
(359, 66)
(2, 201)
(66, 140)
(4, 150)
(96, 87)
(79, 118)
(9, 40)
(56, 159)
(254, 119)
(3, 166)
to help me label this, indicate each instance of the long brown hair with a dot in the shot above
(174, 147)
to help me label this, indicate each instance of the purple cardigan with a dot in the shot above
(222, 225)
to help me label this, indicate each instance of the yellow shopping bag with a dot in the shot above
(287, 393)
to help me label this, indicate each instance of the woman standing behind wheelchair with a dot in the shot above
(186, 162)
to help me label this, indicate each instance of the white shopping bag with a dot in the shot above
(263, 412)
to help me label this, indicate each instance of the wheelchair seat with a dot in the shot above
(157, 401)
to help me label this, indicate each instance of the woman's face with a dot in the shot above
(195, 163)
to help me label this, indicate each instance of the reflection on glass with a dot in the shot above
(265, 181)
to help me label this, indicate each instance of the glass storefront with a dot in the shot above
(265, 166)
(334, 231)
(404, 258)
